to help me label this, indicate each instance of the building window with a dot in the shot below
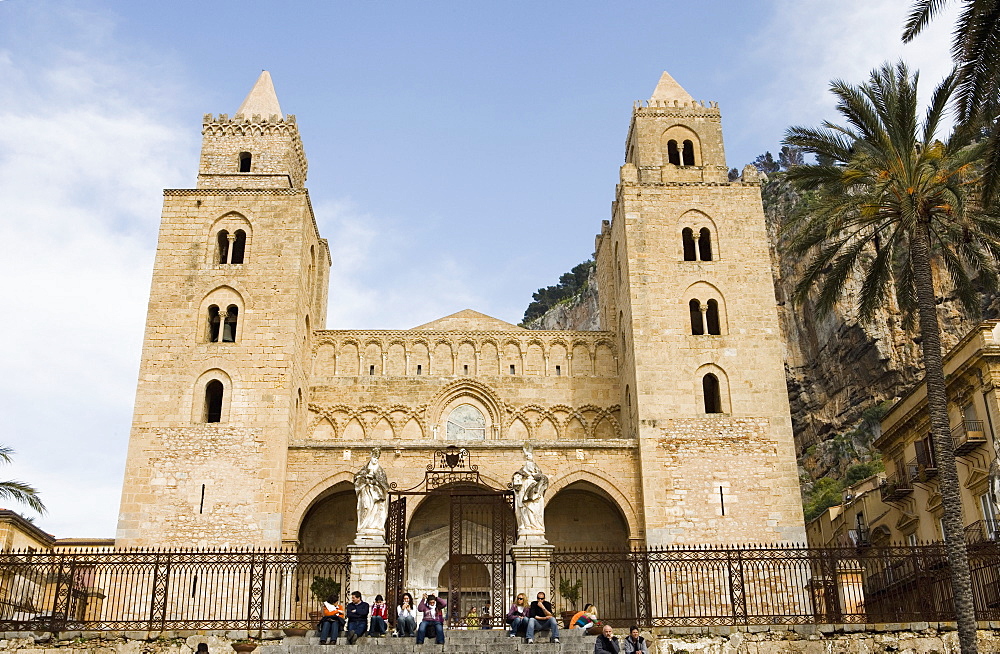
(713, 396)
(558, 371)
(222, 326)
(239, 246)
(673, 154)
(371, 370)
(697, 324)
(466, 423)
(465, 369)
(245, 159)
(687, 240)
(512, 370)
(688, 153)
(420, 369)
(705, 244)
(223, 239)
(712, 318)
(213, 401)
(911, 539)
(214, 323)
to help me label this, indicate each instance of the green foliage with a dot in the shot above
(570, 285)
(859, 471)
(765, 163)
(826, 492)
(18, 491)
(323, 587)
(570, 591)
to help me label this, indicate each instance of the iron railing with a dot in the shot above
(774, 585)
(157, 590)
(967, 436)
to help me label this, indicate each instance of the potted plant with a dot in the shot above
(291, 630)
(570, 592)
(321, 588)
(244, 645)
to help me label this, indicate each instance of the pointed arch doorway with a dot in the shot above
(478, 522)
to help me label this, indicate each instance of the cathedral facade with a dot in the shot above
(669, 426)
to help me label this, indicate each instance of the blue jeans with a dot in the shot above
(377, 627)
(406, 626)
(329, 630)
(358, 626)
(541, 624)
(517, 624)
(427, 625)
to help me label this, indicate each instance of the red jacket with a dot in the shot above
(380, 611)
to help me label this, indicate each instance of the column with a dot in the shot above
(533, 569)
(368, 564)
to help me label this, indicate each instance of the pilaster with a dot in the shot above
(368, 570)
(533, 568)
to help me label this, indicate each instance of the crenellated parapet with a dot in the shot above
(271, 146)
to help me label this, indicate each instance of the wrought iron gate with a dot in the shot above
(481, 532)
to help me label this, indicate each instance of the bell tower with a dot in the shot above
(239, 283)
(685, 278)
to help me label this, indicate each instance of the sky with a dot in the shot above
(461, 155)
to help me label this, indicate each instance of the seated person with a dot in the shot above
(584, 619)
(380, 616)
(431, 610)
(357, 618)
(540, 618)
(332, 622)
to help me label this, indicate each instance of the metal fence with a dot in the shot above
(155, 590)
(773, 585)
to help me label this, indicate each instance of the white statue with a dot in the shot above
(372, 488)
(994, 495)
(529, 485)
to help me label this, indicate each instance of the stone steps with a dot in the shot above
(457, 641)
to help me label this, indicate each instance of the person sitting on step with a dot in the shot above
(634, 643)
(380, 616)
(540, 618)
(357, 618)
(607, 642)
(517, 617)
(431, 610)
(332, 622)
(584, 619)
(406, 616)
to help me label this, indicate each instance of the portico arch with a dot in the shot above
(332, 520)
(606, 488)
(582, 515)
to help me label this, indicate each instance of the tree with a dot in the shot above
(16, 490)
(894, 206)
(765, 163)
(789, 156)
(975, 49)
(570, 284)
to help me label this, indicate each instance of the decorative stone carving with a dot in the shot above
(372, 487)
(530, 484)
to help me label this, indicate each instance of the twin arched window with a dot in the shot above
(697, 250)
(232, 247)
(705, 318)
(245, 161)
(680, 156)
(222, 325)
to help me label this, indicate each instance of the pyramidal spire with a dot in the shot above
(262, 99)
(667, 89)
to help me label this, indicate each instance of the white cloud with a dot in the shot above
(82, 160)
(808, 43)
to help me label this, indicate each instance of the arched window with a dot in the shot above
(245, 159)
(712, 318)
(688, 153)
(214, 323)
(713, 397)
(223, 240)
(213, 401)
(687, 238)
(239, 246)
(673, 154)
(697, 324)
(705, 244)
(466, 423)
(229, 324)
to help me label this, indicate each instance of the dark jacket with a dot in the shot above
(357, 612)
(605, 646)
(535, 612)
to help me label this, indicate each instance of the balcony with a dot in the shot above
(967, 436)
(982, 531)
(896, 487)
(925, 467)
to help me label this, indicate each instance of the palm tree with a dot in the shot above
(975, 49)
(893, 205)
(18, 490)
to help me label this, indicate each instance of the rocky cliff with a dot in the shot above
(838, 370)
